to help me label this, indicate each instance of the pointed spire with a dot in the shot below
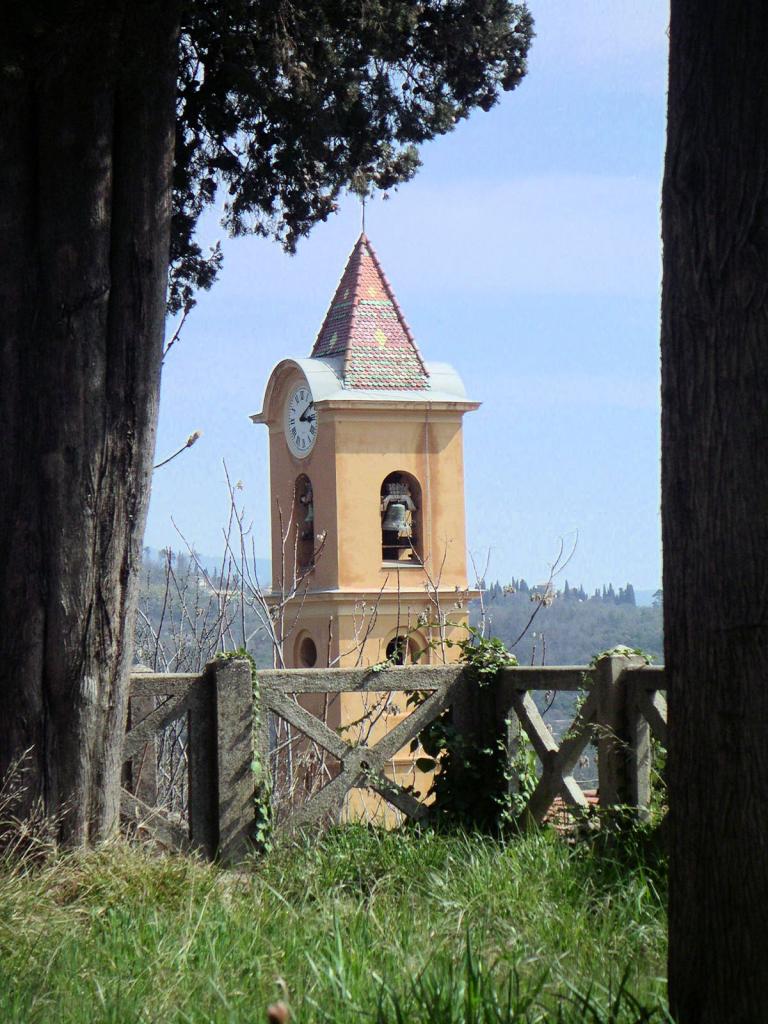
(366, 326)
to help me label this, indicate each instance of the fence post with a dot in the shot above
(480, 715)
(202, 795)
(262, 750)
(509, 729)
(234, 755)
(639, 756)
(616, 744)
(142, 774)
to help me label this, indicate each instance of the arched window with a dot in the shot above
(304, 520)
(401, 521)
(404, 650)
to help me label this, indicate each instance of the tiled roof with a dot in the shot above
(365, 325)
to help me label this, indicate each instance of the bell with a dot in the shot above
(395, 519)
(310, 516)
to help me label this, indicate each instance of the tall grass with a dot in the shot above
(360, 925)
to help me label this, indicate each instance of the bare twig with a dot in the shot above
(177, 332)
(187, 444)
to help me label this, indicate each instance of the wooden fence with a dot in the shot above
(622, 708)
(188, 753)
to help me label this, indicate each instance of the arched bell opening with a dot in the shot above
(304, 520)
(401, 522)
(404, 650)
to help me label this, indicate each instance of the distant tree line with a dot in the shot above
(569, 626)
(606, 594)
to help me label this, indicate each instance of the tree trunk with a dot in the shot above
(715, 507)
(86, 150)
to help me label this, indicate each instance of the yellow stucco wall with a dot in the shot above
(371, 444)
(355, 450)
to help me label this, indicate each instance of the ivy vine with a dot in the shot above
(475, 784)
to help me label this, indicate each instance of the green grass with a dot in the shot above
(360, 926)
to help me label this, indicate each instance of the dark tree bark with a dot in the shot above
(715, 507)
(86, 150)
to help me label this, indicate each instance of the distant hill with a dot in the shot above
(568, 628)
(213, 563)
(572, 628)
(187, 611)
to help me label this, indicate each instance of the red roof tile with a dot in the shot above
(365, 325)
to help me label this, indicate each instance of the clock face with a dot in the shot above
(300, 421)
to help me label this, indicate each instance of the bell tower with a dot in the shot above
(366, 487)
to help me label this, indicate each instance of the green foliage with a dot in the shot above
(621, 651)
(475, 784)
(522, 778)
(483, 656)
(362, 926)
(659, 788)
(285, 105)
(470, 776)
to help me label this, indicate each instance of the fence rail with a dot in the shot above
(357, 764)
(622, 708)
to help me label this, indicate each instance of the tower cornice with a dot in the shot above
(444, 390)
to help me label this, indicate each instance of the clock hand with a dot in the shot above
(304, 418)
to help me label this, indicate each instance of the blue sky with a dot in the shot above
(527, 253)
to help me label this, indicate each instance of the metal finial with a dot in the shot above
(362, 213)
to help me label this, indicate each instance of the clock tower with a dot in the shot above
(367, 490)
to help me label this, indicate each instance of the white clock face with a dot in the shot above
(300, 421)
